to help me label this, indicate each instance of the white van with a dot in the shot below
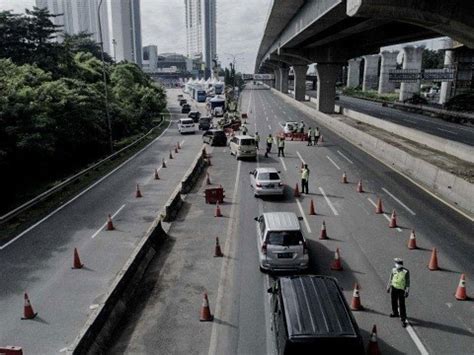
(243, 146)
(186, 125)
(281, 245)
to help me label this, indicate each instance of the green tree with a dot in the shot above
(432, 59)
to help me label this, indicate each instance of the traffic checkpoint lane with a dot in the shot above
(40, 263)
(425, 266)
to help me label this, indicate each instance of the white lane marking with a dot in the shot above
(266, 117)
(269, 127)
(416, 340)
(283, 163)
(329, 202)
(182, 142)
(82, 192)
(342, 155)
(103, 226)
(400, 202)
(372, 202)
(301, 158)
(333, 162)
(446, 130)
(304, 217)
(385, 215)
(276, 117)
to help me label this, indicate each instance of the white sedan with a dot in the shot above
(289, 126)
(266, 181)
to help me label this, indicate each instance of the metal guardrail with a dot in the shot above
(70, 179)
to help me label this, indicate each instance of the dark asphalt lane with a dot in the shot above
(435, 126)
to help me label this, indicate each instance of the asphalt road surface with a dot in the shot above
(435, 126)
(439, 324)
(39, 261)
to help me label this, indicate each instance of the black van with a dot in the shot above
(310, 316)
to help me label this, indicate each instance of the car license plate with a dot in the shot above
(270, 186)
(285, 255)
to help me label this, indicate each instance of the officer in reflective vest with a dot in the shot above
(269, 145)
(281, 146)
(399, 285)
(244, 129)
(304, 179)
(310, 136)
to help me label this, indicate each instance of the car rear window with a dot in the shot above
(285, 238)
(220, 134)
(187, 122)
(268, 176)
(247, 141)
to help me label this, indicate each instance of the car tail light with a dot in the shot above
(305, 248)
(280, 184)
(258, 185)
(264, 248)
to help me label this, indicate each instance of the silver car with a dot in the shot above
(281, 245)
(266, 181)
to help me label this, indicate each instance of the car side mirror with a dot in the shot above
(271, 290)
(300, 218)
(251, 172)
(279, 172)
(256, 219)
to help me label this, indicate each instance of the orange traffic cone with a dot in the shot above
(206, 315)
(359, 186)
(412, 240)
(323, 235)
(208, 179)
(297, 191)
(204, 153)
(312, 211)
(163, 164)
(379, 207)
(344, 178)
(461, 290)
(218, 210)
(171, 154)
(218, 251)
(336, 263)
(110, 225)
(28, 312)
(179, 145)
(355, 303)
(433, 265)
(157, 177)
(77, 261)
(138, 193)
(373, 346)
(393, 220)
(176, 149)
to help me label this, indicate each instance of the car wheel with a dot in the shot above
(263, 270)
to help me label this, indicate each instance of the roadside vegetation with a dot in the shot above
(52, 104)
(370, 95)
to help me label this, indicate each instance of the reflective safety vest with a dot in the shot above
(257, 138)
(317, 133)
(269, 140)
(399, 278)
(305, 174)
(310, 133)
(281, 143)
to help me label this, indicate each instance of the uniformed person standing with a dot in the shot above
(269, 145)
(257, 139)
(304, 179)
(310, 136)
(301, 127)
(244, 129)
(281, 146)
(399, 285)
(317, 134)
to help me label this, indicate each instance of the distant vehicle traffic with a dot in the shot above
(243, 147)
(201, 96)
(205, 123)
(218, 111)
(218, 88)
(215, 137)
(289, 126)
(310, 316)
(195, 115)
(266, 181)
(281, 245)
(186, 125)
(182, 102)
(186, 108)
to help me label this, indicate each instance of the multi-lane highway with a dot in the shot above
(237, 289)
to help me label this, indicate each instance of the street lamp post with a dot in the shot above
(232, 65)
(104, 75)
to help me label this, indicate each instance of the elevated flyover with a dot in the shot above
(329, 32)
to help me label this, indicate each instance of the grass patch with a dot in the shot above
(370, 95)
(35, 213)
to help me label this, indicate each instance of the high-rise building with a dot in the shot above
(150, 57)
(201, 31)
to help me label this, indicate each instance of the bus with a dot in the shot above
(201, 96)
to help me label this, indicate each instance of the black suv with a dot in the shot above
(186, 108)
(205, 123)
(215, 137)
(182, 102)
(195, 115)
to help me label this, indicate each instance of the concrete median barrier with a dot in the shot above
(193, 173)
(453, 190)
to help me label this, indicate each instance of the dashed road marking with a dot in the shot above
(416, 340)
(329, 202)
(447, 130)
(386, 217)
(283, 163)
(308, 228)
(269, 127)
(103, 226)
(333, 162)
(400, 202)
(301, 158)
(342, 155)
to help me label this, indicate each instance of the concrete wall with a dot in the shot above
(454, 191)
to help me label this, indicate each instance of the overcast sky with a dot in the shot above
(239, 27)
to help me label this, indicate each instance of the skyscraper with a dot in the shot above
(201, 31)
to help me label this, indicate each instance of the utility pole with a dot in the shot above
(104, 75)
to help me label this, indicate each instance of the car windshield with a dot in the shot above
(268, 176)
(219, 134)
(285, 238)
(247, 141)
(289, 126)
(187, 121)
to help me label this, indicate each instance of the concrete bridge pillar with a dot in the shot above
(284, 79)
(388, 62)
(371, 69)
(276, 72)
(300, 81)
(353, 73)
(411, 60)
(446, 86)
(327, 76)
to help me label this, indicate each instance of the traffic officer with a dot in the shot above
(269, 145)
(281, 146)
(399, 285)
(301, 127)
(310, 136)
(257, 139)
(304, 179)
(244, 129)
(317, 134)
